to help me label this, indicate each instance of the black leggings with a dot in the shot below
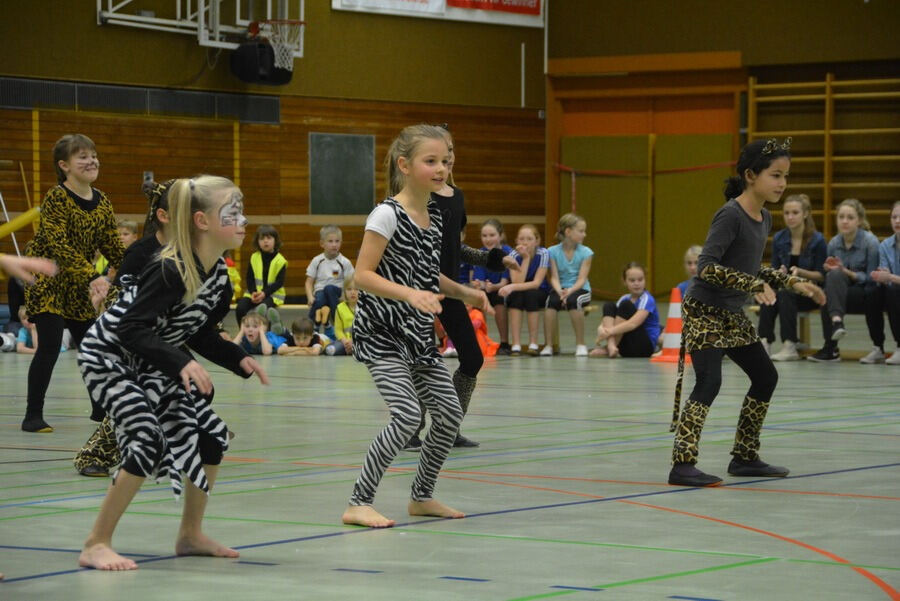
(50, 328)
(751, 358)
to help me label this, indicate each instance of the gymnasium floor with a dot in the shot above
(566, 498)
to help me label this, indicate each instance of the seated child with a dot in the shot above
(343, 321)
(234, 276)
(325, 276)
(303, 340)
(266, 272)
(630, 326)
(254, 336)
(128, 234)
(691, 257)
(491, 282)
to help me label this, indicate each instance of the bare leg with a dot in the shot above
(502, 325)
(533, 326)
(577, 317)
(550, 325)
(191, 539)
(433, 508)
(97, 552)
(515, 326)
(365, 515)
(613, 345)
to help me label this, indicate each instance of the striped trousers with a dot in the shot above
(403, 386)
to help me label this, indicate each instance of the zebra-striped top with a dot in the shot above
(388, 328)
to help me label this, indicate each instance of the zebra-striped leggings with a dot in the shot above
(403, 386)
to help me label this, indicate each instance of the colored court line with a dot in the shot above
(257, 563)
(359, 571)
(54, 550)
(693, 598)
(463, 578)
(577, 588)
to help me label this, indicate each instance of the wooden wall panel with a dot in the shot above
(500, 162)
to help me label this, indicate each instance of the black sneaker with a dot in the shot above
(685, 474)
(414, 444)
(756, 469)
(504, 349)
(36, 424)
(827, 354)
(838, 330)
(463, 442)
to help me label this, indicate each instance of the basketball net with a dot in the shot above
(284, 36)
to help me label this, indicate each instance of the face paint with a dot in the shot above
(231, 213)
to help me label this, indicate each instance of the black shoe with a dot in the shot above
(94, 471)
(36, 424)
(827, 354)
(504, 349)
(685, 474)
(414, 444)
(838, 330)
(463, 442)
(756, 469)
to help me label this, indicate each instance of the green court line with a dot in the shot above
(728, 566)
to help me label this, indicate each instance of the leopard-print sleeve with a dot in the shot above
(492, 259)
(778, 279)
(727, 277)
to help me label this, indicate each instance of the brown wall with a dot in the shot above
(766, 32)
(500, 162)
(346, 55)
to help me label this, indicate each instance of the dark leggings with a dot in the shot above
(458, 326)
(245, 305)
(635, 343)
(751, 358)
(50, 328)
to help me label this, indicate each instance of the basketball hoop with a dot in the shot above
(285, 36)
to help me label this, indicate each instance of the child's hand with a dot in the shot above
(505, 290)
(881, 275)
(522, 250)
(193, 371)
(263, 328)
(510, 263)
(257, 297)
(563, 293)
(250, 366)
(810, 290)
(348, 345)
(783, 269)
(766, 296)
(99, 287)
(23, 267)
(480, 301)
(602, 334)
(425, 300)
(832, 263)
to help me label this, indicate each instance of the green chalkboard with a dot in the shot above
(341, 174)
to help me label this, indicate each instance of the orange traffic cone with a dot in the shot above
(672, 333)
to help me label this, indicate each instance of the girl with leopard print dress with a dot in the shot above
(155, 393)
(714, 323)
(77, 220)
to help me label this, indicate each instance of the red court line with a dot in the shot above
(891, 592)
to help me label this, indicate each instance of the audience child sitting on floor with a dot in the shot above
(302, 340)
(630, 326)
(343, 321)
(255, 337)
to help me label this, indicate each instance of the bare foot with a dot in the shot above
(433, 508)
(365, 515)
(613, 351)
(102, 557)
(203, 545)
(600, 351)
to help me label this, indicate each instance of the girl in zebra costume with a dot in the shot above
(155, 393)
(398, 274)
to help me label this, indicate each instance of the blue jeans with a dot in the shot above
(327, 296)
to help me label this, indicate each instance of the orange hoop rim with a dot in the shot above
(253, 28)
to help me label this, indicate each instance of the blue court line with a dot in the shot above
(578, 588)
(360, 530)
(55, 550)
(359, 571)
(463, 578)
(693, 598)
(257, 563)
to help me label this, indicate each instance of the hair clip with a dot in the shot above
(772, 145)
(443, 126)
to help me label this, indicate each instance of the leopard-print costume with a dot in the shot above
(706, 326)
(100, 450)
(687, 439)
(746, 438)
(70, 236)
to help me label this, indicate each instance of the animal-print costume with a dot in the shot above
(70, 234)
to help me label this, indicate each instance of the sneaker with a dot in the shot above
(685, 474)
(533, 349)
(581, 351)
(515, 350)
(838, 330)
(504, 349)
(788, 352)
(450, 352)
(756, 469)
(36, 424)
(414, 444)
(893, 359)
(827, 354)
(876, 355)
(275, 325)
(94, 471)
(767, 346)
(547, 351)
(465, 443)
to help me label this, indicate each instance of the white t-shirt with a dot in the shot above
(329, 272)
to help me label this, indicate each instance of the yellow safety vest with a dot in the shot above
(256, 264)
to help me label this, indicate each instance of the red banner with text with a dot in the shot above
(521, 7)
